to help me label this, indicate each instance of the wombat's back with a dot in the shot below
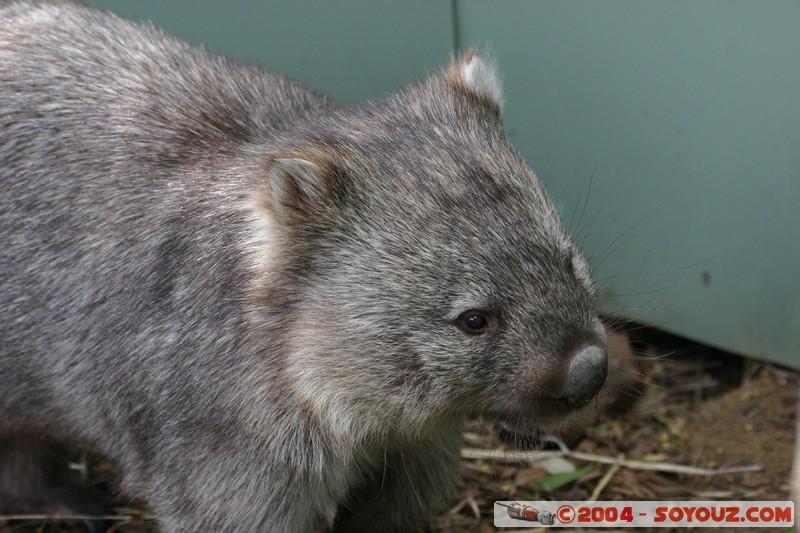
(131, 83)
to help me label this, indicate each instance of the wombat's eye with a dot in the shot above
(474, 322)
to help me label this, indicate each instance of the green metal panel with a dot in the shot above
(687, 114)
(351, 50)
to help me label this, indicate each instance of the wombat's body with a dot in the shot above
(270, 312)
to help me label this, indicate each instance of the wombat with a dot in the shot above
(272, 312)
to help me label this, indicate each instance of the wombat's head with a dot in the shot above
(429, 274)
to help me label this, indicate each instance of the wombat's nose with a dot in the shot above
(587, 373)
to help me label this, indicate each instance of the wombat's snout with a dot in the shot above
(586, 375)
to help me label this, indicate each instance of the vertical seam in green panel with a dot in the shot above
(455, 25)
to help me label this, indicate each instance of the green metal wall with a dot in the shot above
(668, 132)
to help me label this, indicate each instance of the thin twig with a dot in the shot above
(73, 517)
(534, 456)
(604, 481)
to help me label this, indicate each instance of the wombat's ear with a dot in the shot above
(297, 185)
(477, 77)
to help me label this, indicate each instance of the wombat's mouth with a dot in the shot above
(545, 416)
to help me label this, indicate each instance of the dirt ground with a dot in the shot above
(669, 402)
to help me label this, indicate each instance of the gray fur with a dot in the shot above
(246, 295)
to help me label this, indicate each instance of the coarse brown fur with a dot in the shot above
(253, 300)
